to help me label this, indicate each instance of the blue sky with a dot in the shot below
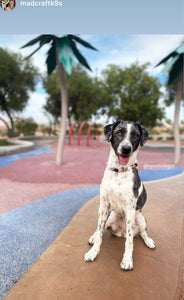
(122, 50)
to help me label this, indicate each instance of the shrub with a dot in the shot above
(170, 138)
(3, 142)
(26, 126)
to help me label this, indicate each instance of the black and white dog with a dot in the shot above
(121, 192)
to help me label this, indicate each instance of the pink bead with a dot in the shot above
(120, 170)
(129, 168)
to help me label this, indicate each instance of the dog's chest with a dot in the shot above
(117, 188)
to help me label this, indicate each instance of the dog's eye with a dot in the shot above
(120, 132)
(135, 137)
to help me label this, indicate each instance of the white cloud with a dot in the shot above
(142, 48)
(34, 108)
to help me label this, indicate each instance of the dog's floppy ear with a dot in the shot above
(108, 130)
(144, 133)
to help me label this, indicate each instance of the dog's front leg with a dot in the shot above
(102, 219)
(127, 262)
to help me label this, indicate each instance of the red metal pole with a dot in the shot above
(80, 131)
(71, 132)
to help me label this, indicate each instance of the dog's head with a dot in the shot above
(125, 138)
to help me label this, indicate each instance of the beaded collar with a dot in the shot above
(123, 169)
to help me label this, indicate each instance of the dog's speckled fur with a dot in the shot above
(122, 193)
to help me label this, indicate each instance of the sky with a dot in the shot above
(122, 50)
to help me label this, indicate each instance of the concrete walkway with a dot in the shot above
(61, 273)
(16, 146)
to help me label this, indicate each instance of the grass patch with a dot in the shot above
(3, 143)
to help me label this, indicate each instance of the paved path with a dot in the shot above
(35, 193)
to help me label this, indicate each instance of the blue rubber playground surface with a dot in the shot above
(157, 174)
(9, 159)
(26, 232)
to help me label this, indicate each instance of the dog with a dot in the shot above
(122, 194)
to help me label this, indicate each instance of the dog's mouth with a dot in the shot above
(123, 159)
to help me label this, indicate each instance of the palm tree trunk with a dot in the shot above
(179, 94)
(64, 112)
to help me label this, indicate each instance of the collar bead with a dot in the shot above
(123, 169)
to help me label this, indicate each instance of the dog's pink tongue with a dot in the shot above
(123, 160)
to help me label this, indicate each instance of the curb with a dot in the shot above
(16, 146)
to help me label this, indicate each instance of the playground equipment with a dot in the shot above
(71, 132)
(80, 134)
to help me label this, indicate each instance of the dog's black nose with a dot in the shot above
(126, 150)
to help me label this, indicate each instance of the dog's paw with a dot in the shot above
(127, 264)
(91, 255)
(150, 243)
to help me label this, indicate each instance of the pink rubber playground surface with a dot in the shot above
(32, 178)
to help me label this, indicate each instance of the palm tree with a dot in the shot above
(61, 52)
(174, 65)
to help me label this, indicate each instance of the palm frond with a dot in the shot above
(51, 58)
(79, 56)
(41, 38)
(170, 63)
(33, 52)
(81, 41)
(176, 70)
(172, 54)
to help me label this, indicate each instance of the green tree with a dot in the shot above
(26, 126)
(175, 68)
(133, 94)
(86, 95)
(17, 79)
(61, 52)
(52, 107)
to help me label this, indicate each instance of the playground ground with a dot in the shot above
(39, 199)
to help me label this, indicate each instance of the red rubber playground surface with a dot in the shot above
(29, 179)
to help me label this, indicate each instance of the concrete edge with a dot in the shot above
(39, 138)
(16, 146)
